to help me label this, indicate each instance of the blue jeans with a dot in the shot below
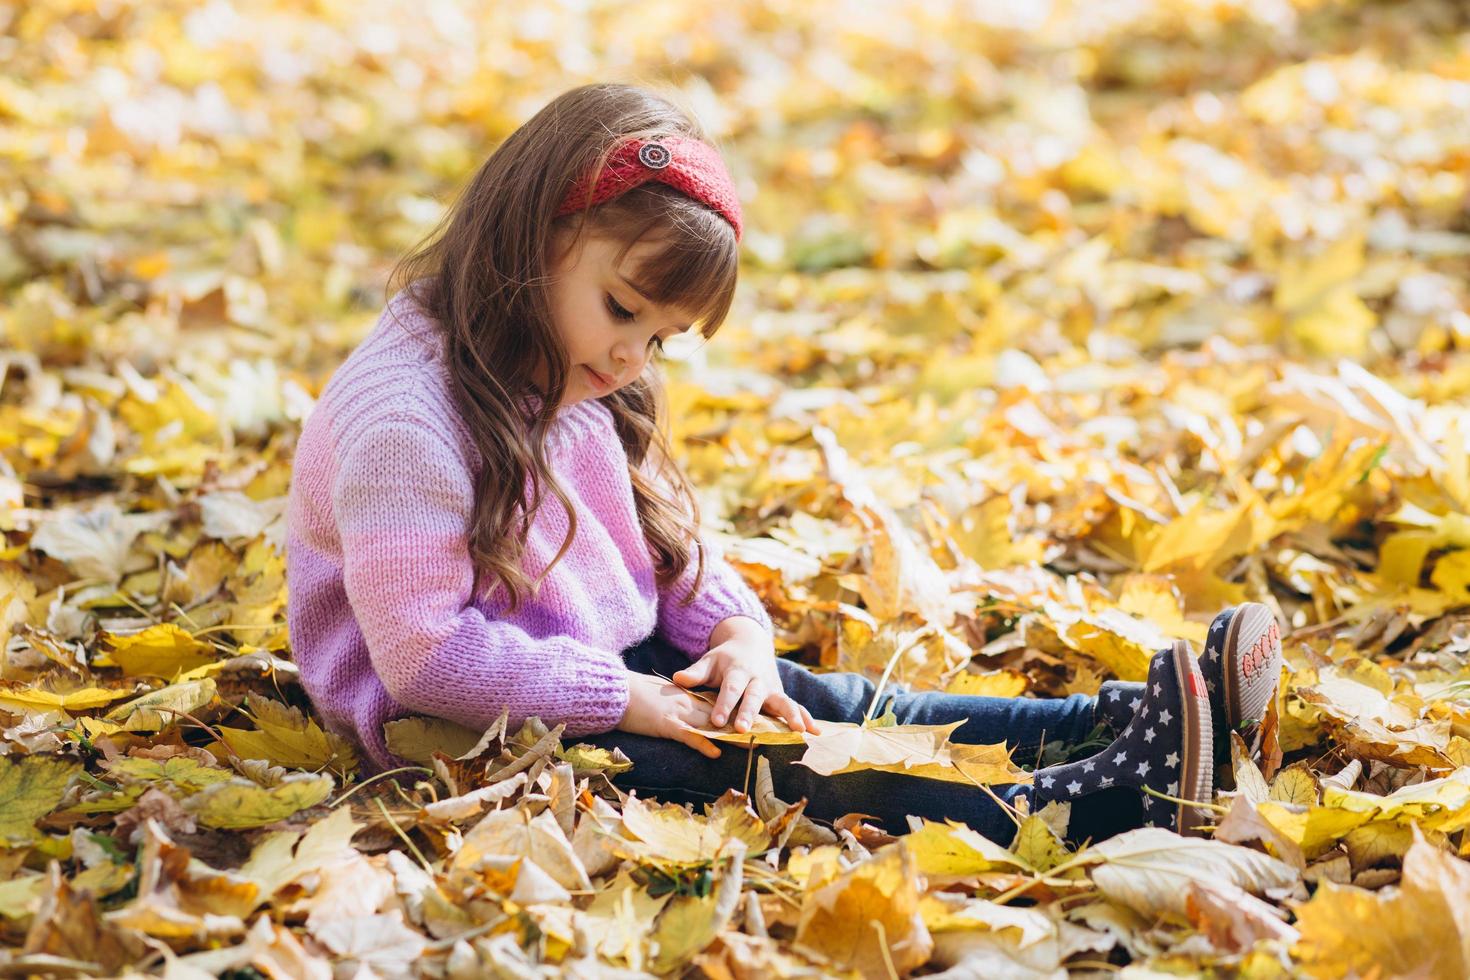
(673, 772)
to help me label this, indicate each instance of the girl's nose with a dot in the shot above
(623, 357)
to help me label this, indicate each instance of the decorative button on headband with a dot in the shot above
(690, 166)
(654, 156)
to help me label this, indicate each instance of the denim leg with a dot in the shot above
(673, 772)
(1024, 724)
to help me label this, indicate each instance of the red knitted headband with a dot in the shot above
(688, 165)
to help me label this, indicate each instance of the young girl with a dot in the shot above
(485, 516)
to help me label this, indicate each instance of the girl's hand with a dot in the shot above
(658, 708)
(742, 663)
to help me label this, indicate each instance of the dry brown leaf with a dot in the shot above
(866, 918)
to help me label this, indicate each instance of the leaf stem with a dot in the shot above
(883, 946)
(1041, 879)
(1195, 803)
(883, 680)
(402, 836)
(371, 779)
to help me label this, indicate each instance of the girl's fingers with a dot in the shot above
(755, 696)
(802, 719)
(696, 741)
(730, 692)
(692, 676)
(790, 712)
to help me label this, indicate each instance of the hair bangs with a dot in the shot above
(695, 263)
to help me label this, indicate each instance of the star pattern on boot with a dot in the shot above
(1141, 756)
(1115, 704)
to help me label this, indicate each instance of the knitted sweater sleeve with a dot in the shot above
(722, 594)
(402, 501)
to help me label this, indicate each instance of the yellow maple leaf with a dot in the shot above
(986, 533)
(163, 650)
(867, 917)
(1196, 537)
(618, 919)
(1419, 930)
(157, 710)
(239, 803)
(286, 737)
(30, 788)
(954, 850)
(15, 695)
(1452, 575)
(691, 922)
(914, 750)
(1006, 683)
(1157, 599)
(668, 832)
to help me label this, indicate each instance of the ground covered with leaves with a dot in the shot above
(1062, 326)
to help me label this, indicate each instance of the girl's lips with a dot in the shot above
(598, 379)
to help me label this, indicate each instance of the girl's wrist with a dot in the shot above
(736, 627)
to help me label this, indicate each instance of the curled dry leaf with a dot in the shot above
(1151, 869)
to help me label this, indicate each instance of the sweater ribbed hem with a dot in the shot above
(486, 668)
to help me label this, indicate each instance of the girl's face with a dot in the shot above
(609, 329)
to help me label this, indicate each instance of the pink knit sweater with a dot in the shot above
(381, 616)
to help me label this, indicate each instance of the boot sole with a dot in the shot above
(1197, 762)
(1250, 672)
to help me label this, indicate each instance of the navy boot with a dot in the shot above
(1167, 745)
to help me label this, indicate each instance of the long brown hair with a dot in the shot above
(481, 274)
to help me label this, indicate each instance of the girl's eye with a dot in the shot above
(617, 310)
(620, 313)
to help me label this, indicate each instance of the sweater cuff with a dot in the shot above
(722, 594)
(606, 708)
(585, 688)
